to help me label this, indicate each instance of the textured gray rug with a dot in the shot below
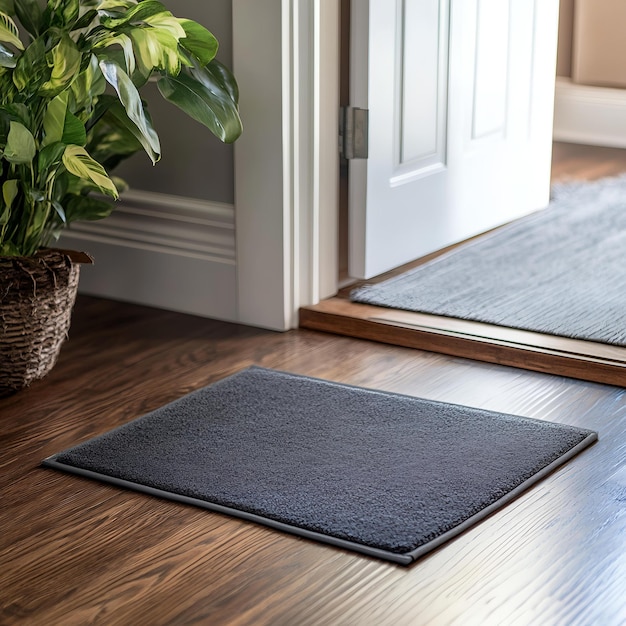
(561, 271)
(387, 475)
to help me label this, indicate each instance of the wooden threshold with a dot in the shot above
(584, 360)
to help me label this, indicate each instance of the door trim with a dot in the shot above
(286, 59)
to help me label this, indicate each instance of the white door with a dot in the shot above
(460, 96)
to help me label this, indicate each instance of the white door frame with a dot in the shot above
(286, 60)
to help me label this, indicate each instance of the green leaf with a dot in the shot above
(70, 10)
(20, 146)
(114, 6)
(85, 208)
(59, 211)
(78, 162)
(36, 195)
(166, 22)
(109, 144)
(199, 41)
(121, 136)
(136, 14)
(102, 105)
(216, 73)
(8, 248)
(146, 47)
(18, 112)
(73, 130)
(64, 60)
(54, 119)
(156, 49)
(38, 219)
(85, 20)
(29, 14)
(50, 156)
(209, 102)
(60, 125)
(5, 216)
(9, 192)
(130, 98)
(32, 68)
(88, 85)
(106, 39)
(9, 32)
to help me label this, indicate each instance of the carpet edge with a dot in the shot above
(502, 502)
(405, 558)
(430, 401)
(401, 559)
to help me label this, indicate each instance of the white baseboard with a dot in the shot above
(589, 115)
(165, 251)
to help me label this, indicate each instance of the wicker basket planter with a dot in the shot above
(36, 299)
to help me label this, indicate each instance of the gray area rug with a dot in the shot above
(561, 271)
(387, 475)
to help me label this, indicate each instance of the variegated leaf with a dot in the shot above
(9, 32)
(64, 59)
(131, 100)
(106, 39)
(78, 162)
(165, 21)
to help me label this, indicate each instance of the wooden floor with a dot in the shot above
(74, 551)
(494, 344)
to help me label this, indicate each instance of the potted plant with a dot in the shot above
(71, 75)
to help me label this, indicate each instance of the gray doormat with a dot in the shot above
(387, 475)
(560, 271)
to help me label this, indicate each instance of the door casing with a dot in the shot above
(286, 59)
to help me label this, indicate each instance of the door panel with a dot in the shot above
(491, 75)
(460, 97)
(419, 82)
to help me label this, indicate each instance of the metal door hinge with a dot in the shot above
(353, 124)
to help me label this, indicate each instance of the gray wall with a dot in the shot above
(194, 163)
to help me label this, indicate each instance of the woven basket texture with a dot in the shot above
(37, 295)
